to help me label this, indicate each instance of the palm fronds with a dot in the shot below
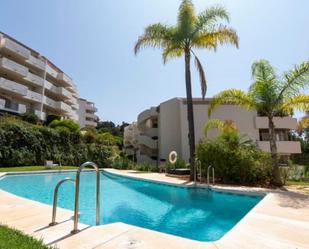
(231, 97)
(202, 76)
(295, 79)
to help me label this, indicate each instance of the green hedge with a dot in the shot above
(23, 144)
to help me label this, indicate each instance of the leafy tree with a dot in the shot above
(271, 96)
(66, 123)
(30, 117)
(191, 32)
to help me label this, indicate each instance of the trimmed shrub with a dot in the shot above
(23, 144)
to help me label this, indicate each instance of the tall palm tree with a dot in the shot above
(192, 31)
(270, 96)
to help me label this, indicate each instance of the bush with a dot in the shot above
(145, 166)
(24, 144)
(180, 164)
(51, 117)
(122, 163)
(66, 123)
(30, 117)
(235, 160)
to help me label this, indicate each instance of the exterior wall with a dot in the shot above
(242, 118)
(170, 128)
(31, 83)
(86, 114)
(130, 139)
(173, 128)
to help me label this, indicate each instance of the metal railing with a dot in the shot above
(213, 175)
(77, 181)
(56, 199)
(197, 171)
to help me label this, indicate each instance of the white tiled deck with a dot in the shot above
(280, 220)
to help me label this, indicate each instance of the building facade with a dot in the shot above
(164, 128)
(29, 82)
(86, 114)
(130, 140)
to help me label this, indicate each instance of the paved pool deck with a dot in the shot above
(280, 220)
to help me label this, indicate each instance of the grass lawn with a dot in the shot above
(297, 183)
(11, 239)
(34, 168)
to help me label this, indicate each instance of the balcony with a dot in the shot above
(91, 116)
(51, 71)
(15, 48)
(33, 96)
(147, 114)
(64, 93)
(151, 132)
(65, 79)
(42, 115)
(148, 141)
(13, 67)
(63, 107)
(280, 123)
(13, 87)
(12, 107)
(91, 123)
(72, 101)
(35, 62)
(283, 147)
(91, 107)
(34, 79)
(51, 103)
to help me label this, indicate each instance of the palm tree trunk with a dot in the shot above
(276, 178)
(190, 113)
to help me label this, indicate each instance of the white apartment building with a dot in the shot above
(164, 128)
(29, 82)
(86, 114)
(130, 140)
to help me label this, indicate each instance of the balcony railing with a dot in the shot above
(51, 71)
(65, 79)
(64, 107)
(35, 62)
(13, 87)
(91, 123)
(283, 147)
(280, 123)
(15, 48)
(36, 97)
(13, 67)
(34, 79)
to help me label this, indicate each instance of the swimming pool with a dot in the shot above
(194, 213)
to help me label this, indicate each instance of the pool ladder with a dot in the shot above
(213, 175)
(77, 183)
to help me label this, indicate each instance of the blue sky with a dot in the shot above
(92, 41)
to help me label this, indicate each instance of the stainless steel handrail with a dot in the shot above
(197, 167)
(77, 181)
(56, 198)
(213, 175)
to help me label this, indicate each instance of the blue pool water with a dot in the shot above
(193, 213)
